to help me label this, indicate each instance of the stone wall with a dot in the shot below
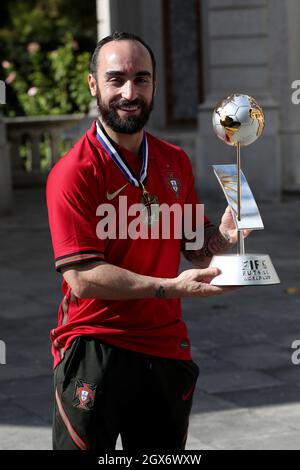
(237, 55)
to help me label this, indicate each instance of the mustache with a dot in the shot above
(126, 103)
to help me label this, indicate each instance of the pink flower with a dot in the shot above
(5, 64)
(10, 77)
(33, 47)
(32, 91)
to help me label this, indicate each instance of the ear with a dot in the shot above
(154, 87)
(92, 84)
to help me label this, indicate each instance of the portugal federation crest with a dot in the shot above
(174, 183)
(84, 395)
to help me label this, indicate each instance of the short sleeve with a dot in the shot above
(191, 196)
(73, 194)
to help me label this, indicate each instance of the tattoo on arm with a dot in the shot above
(218, 243)
(214, 243)
(160, 292)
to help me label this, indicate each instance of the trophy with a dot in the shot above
(238, 121)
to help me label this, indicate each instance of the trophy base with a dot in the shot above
(249, 269)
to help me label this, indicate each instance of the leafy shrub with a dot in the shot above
(52, 82)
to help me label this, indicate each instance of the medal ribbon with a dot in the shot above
(116, 157)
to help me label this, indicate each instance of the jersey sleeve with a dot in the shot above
(192, 200)
(73, 193)
(191, 196)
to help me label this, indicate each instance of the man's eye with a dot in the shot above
(142, 80)
(116, 80)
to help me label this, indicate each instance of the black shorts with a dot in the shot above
(102, 391)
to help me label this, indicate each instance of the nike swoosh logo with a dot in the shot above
(111, 196)
(186, 395)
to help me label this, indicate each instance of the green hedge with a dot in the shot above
(45, 49)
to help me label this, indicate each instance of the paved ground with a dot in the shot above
(248, 392)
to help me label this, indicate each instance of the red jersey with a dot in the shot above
(83, 179)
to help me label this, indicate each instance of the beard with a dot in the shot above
(129, 125)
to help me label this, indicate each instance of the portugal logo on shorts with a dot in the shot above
(84, 395)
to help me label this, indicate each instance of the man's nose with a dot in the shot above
(129, 91)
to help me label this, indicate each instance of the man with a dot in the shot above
(121, 350)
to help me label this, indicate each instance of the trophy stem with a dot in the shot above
(239, 187)
(240, 243)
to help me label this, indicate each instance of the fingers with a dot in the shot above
(209, 290)
(228, 212)
(197, 283)
(246, 232)
(206, 275)
(210, 271)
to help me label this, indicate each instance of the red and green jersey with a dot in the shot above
(82, 180)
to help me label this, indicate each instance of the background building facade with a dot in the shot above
(206, 50)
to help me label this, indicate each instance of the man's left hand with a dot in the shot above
(228, 228)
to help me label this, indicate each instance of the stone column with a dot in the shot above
(5, 173)
(153, 34)
(237, 54)
(103, 18)
(285, 66)
(138, 17)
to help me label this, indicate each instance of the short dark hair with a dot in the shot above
(119, 36)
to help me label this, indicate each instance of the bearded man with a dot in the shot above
(122, 355)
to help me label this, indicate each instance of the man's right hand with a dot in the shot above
(196, 283)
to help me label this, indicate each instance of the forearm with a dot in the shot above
(109, 282)
(215, 243)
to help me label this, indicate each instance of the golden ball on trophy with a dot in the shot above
(238, 119)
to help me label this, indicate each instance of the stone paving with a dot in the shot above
(248, 391)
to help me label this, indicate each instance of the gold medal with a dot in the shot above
(151, 204)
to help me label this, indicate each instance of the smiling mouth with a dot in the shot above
(129, 109)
